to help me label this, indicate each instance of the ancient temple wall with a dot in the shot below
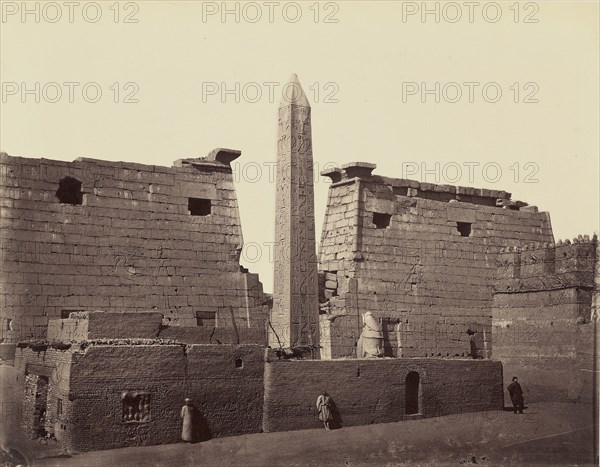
(223, 335)
(132, 244)
(374, 391)
(396, 250)
(543, 327)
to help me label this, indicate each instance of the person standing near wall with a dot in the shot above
(516, 395)
(187, 414)
(324, 407)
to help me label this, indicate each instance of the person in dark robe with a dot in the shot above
(187, 414)
(516, 395)
(324, 403)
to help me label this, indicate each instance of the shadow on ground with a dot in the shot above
(547, 434)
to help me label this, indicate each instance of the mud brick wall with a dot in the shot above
(373, 391)
(227, 383)
(132, 244)
(416, 271)
(543, 328)
(229, 398)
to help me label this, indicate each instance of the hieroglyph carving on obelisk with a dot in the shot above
(295, 314)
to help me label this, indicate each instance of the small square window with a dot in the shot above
(69, 191)
(199, 206)
(464, 228)
(381, 220)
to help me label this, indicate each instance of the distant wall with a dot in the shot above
(543, 328)
(131, 245)
(393, 247)
(373, 391)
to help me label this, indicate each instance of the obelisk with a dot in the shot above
(295, 313)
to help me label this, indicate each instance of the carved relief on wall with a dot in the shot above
(136, 406)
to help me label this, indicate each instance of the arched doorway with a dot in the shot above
(412, 393)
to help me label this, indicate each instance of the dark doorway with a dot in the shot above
(41, 405)
(412, 392)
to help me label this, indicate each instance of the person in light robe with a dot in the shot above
(324, 403)
(187, 414)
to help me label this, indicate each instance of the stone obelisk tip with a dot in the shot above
(293, 94)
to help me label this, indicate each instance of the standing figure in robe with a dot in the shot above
(187, 414)
(324, 403)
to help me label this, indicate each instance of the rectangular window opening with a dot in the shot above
(69, 191)
(199, 206)
(464, 228)
(381, 220)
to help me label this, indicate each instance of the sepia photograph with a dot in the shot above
(299, 233)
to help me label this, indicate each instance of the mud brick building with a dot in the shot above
(421, 257)
(97, 391)
(85, 373)
(93, 390)
(93, 234)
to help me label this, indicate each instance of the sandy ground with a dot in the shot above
(547, 434)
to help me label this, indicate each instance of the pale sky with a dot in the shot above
(363, 66)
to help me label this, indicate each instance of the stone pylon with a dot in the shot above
(295, 314)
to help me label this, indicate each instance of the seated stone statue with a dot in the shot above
(370, 343)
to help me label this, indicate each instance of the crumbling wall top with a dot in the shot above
(547, 266)
(350, 172)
